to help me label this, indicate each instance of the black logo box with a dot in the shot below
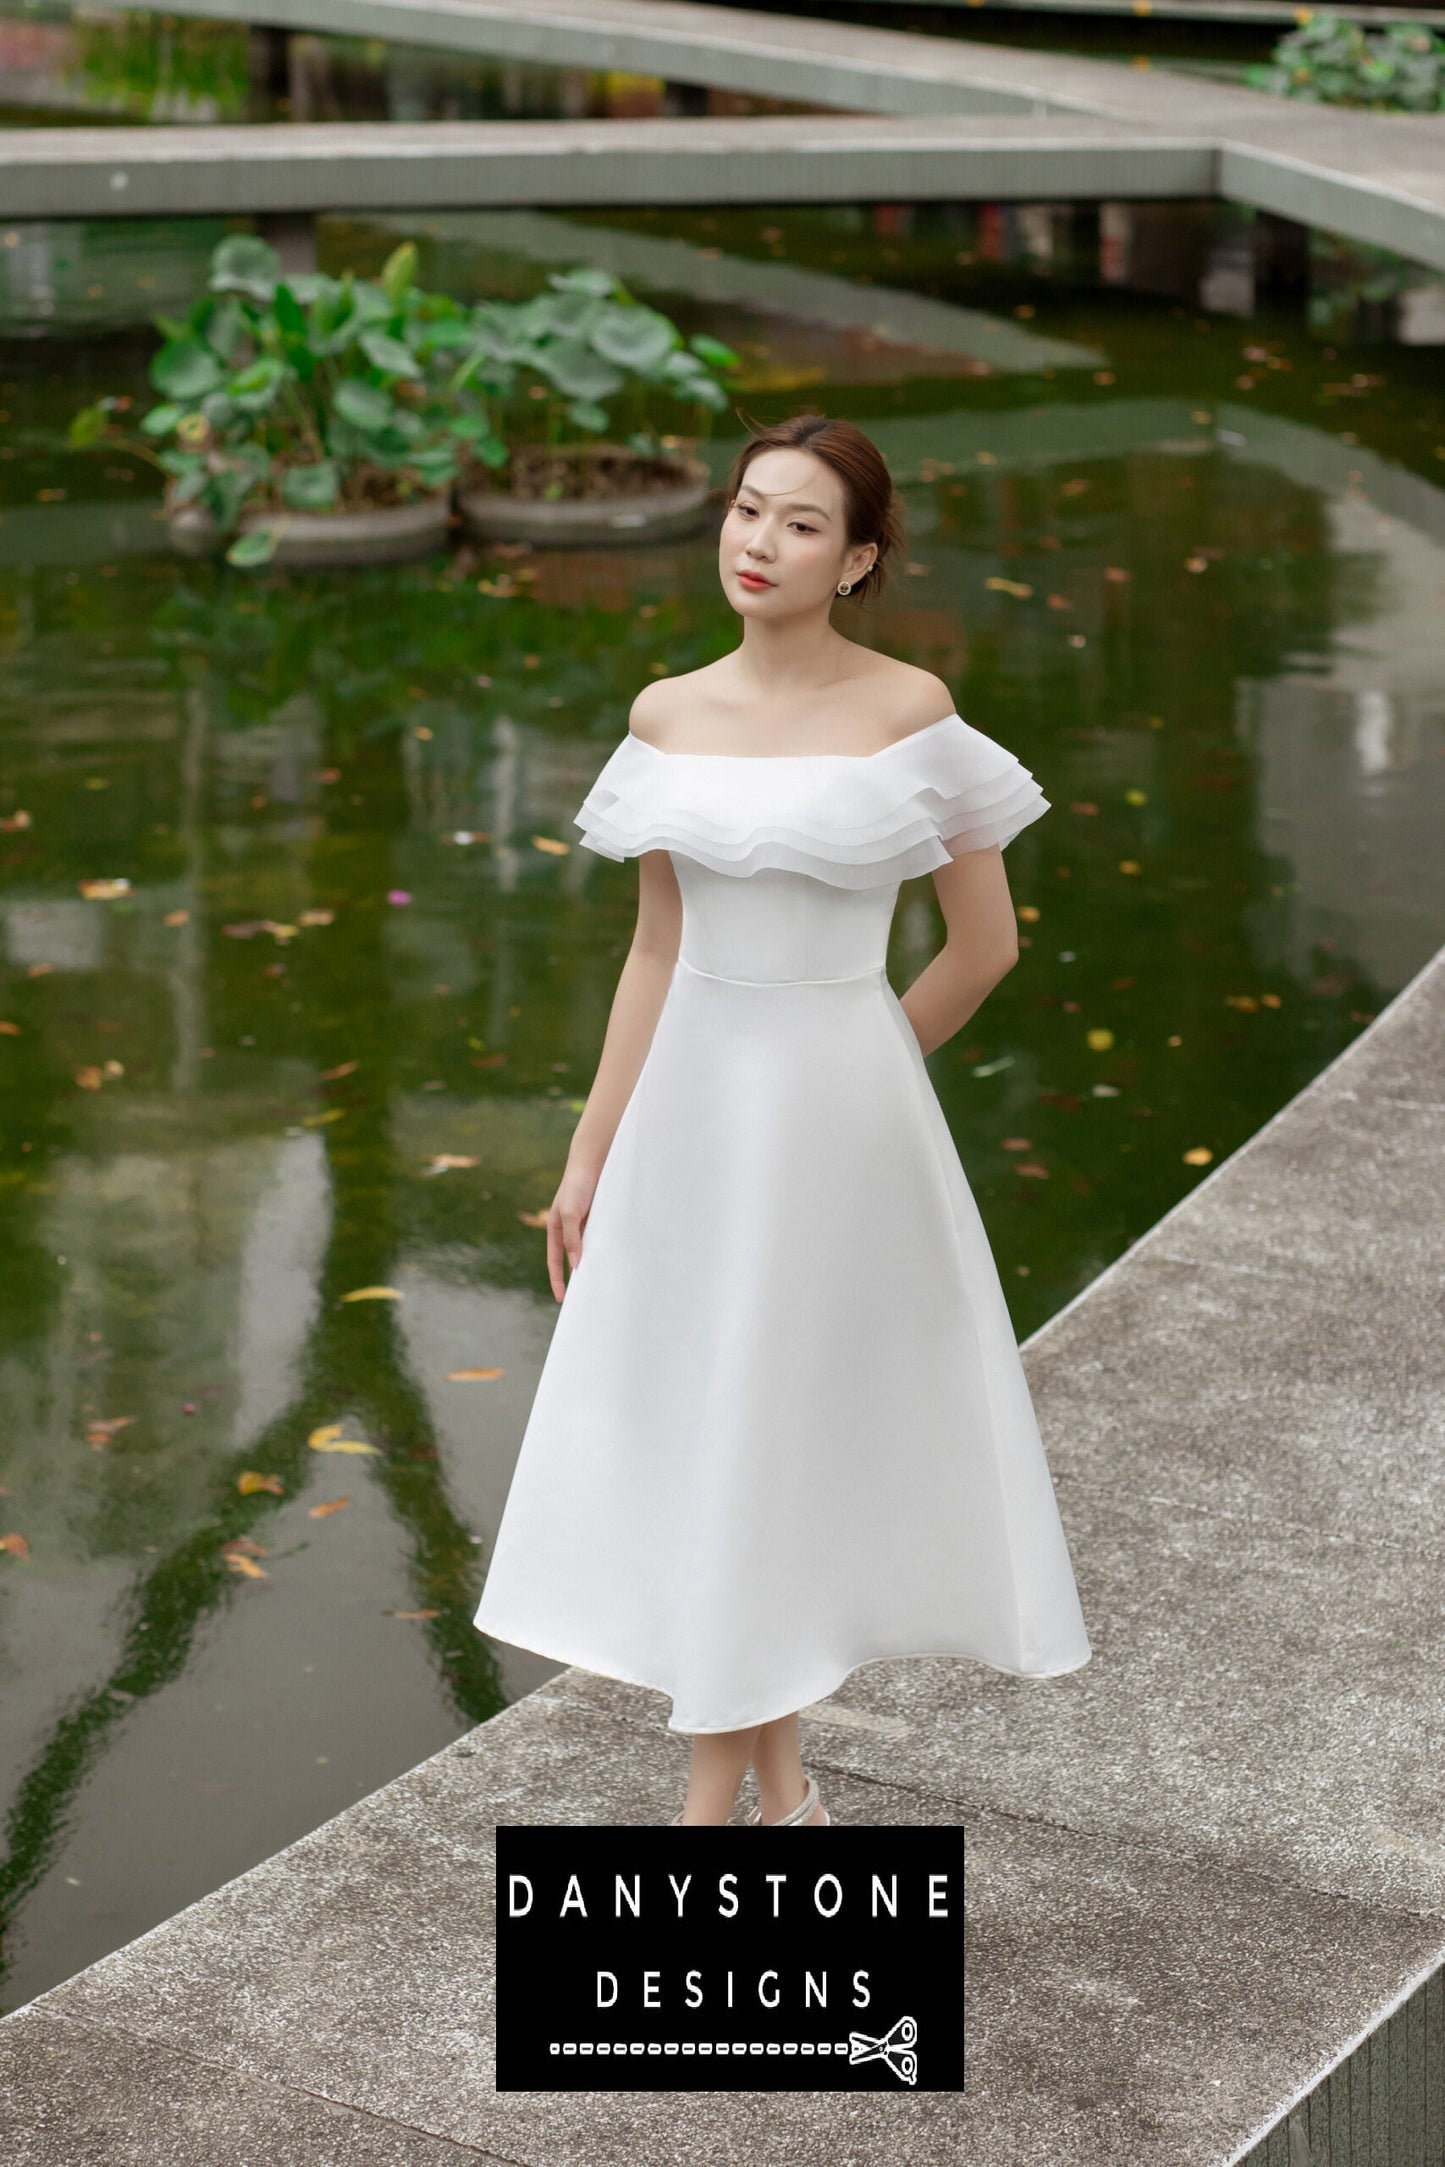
(722, 1959)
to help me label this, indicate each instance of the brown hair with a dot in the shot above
(870, 504)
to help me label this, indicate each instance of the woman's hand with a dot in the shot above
(565, 1222)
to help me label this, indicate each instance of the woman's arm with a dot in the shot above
(636, 1005)
(981, 947)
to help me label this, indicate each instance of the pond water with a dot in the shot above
(1182, 549)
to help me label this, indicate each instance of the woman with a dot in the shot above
(783, 1428)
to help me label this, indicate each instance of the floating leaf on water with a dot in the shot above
(347, 1068)
(1130, 865)
(446, 1160)
(1099, 1040)
(10, 1030)
(317, 1121)
(318, 917)
(373, 1294)
(1015, 587)
(99, 1430)
(1117, 574)
(1082, 805)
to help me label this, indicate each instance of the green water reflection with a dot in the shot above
(357, 941)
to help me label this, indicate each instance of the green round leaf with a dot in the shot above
(244, 263)
(635, 338)
(312, 489)
(389, 354)
(365, 406)
(184, 369)
(256, 546)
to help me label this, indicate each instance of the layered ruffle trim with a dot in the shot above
(853, 820)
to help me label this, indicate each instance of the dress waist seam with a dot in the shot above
(875, 970)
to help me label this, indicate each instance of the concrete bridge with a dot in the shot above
(909, 117)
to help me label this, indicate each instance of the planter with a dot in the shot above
(676, 506)
(383, 534)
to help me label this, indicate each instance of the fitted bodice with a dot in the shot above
(779, 926)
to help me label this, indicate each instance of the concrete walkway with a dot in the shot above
(936, 117)
(1201, 1870)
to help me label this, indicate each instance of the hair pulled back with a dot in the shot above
(870, 503)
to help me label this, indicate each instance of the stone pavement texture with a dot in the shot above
(1200, 1870)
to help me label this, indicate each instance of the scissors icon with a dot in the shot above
(893, 2048)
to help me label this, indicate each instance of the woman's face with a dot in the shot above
(784, 543)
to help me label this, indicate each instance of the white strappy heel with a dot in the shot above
(797, 1817)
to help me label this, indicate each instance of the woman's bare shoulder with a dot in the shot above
(656, 711)
(905, 698)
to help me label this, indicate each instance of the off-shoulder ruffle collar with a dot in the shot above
(853, 819)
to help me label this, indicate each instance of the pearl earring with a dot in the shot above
(845, 586)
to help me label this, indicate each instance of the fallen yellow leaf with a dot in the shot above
(373, 1294)
(100, 1432)
(344, 1444)
(333, 1504)
(251, 1479)
(16, 1545)
(467, 1376)
(249, 1567)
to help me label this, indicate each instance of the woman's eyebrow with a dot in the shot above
(796, 506)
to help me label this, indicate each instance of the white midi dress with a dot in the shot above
(782, 1428)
